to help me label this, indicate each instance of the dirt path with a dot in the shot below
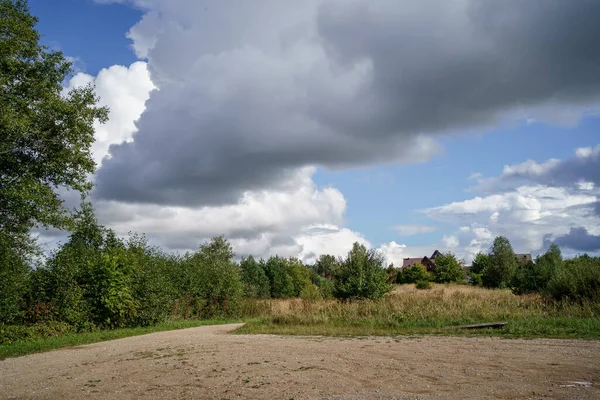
(206, 363)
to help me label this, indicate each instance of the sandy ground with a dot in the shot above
(207, 363)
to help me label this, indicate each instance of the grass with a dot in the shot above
(22, 348)
(408, 311)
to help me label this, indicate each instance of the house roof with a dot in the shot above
(409, 262)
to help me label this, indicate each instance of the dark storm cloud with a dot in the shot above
(338, 84)
(579, 239)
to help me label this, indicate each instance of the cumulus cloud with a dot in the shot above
(579, 239)
(124, 90)
(251, 92)
(582, 171)
(531, 216)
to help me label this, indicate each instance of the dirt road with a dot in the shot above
(207, 363)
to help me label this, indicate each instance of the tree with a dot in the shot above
(45, 136)
(217, 286)
(480, 261)
(503, 263)
(326, 265)
(280, 282)
(448, 269)
(361, 275)
(413, 274)
(256, 283)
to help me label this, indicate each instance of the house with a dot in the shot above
(427, 262)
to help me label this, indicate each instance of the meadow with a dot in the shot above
(409, 311)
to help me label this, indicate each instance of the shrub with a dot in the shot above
(413, 274)
(361, 275)
(423, 285)
(576, 280)
(448, 269)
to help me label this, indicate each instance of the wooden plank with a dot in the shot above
(495, 325)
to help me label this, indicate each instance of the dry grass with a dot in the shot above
(408, 310)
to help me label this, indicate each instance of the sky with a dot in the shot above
(298, 128)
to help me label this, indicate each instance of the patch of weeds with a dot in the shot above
(254, 363)
(246, 380)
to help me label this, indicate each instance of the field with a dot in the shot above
(408, 311)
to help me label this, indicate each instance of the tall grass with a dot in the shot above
(408, 310)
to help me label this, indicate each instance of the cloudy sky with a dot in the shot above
(298, 128)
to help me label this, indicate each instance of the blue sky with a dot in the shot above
(380, 192)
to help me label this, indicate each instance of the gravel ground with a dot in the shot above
(207, 363)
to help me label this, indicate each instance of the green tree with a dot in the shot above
(361, 275)
(503, 264)
(216, 285)
(14, 281)
(448, 269)
(299, 276)
(414, 274)
(45, 136)
(480, 261)
(256, 282)
(280, 282)
(326, 265)
(576, 280)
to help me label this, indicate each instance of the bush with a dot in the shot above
(413, 274)
(17, 333)
(361, 275)
(576, 280)
(423, 285)
(448, 269)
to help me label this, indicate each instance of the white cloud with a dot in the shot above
(124, 90)
(451, 242)
(529, 216)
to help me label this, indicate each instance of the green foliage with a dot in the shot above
(448, 269)
(299, 276)
(414, 274)
(254, 278)
(392, 273)
(502, 264)
(326, 265)
(15, 276)
(361, 275)
(215, 285)
(480, 262)
(46, 137)
(152, 281)
(576, 280)
(279, 281)
(421, 285)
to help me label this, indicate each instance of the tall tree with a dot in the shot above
(45, 135)
(502, 265)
